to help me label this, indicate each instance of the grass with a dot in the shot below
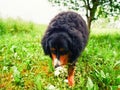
(23, 65)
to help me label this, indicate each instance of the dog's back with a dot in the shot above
(72, 24)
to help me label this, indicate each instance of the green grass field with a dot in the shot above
(23, 65)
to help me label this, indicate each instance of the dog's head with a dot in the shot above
(57, 45)
(62, 46)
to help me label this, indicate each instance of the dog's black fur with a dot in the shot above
(68, 30)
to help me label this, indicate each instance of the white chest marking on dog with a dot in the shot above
(56, 62)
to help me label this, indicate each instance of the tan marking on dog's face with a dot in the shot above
(62, 49)
(55, 60)
(52, 49)
(63, 60)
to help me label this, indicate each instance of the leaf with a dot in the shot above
(102, 74)
(38, 82)
(117, 63)
(117, 80)
(90, 84)
(16, 75)
(13, 48)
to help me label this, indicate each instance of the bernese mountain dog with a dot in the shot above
(64, 40)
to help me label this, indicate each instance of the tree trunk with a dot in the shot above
(90, 11)
(89, 23)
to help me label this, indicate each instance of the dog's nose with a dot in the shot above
(57, 65)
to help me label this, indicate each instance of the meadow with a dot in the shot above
(23, 65)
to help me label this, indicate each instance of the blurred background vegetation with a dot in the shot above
(92, 9)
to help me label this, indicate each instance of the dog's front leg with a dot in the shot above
(71, 71)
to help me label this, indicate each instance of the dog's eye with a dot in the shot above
(53, 50)
(63, 51)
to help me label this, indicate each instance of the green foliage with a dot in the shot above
(23, 65)
(93, 9)
(38, 82)
(99, 62)
(10, 25)
(89, 84)
(100, 7)
(16, 76)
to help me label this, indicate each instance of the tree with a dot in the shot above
(93, 8)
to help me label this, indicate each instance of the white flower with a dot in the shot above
(66, 80)
(51, 87)
(58, 70)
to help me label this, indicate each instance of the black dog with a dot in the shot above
(64, 40)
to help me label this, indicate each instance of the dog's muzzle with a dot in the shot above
(57, 63)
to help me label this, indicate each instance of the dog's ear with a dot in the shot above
(45, 45)
(76, 47)
(45, 40)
